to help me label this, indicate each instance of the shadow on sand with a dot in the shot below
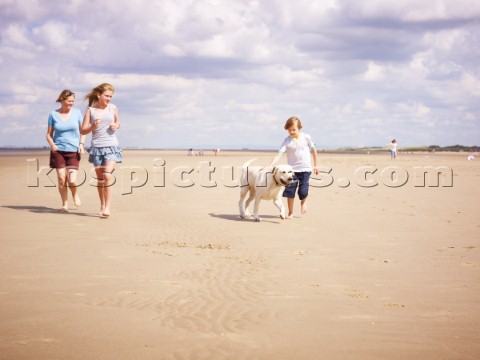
(45, 210)
(236, 217)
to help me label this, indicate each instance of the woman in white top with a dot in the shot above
(101, 119)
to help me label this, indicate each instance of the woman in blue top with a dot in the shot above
(66, 143)
(101, 119)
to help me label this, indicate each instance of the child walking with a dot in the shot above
(101, 119)
(298, 147)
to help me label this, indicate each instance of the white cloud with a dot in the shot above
(470, 116)
(13, 111)
(470, 84)
(374, 72)
(52, 34)
(413, 109)
(268, 119)
(372, 105)
(350, 69)
(173, 50)
(16, 35)
(413, 10)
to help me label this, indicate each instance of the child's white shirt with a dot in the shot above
(298, 152)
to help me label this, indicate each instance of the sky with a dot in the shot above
(228, 74)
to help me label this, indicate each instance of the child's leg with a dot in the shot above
(289, 193)
(304, 206)
(99, 170)
(304, 184)
(290, 202)
(109, 167)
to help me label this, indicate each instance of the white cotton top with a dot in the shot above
(103, 136)
(298, 152)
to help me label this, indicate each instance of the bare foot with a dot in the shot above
(289, 216)
(77, 201)
(102, 210)
(304, 209)
(63, 210)
(106, 213)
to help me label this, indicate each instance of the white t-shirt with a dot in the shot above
(298, 152)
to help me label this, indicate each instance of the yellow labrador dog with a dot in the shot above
(263, 184)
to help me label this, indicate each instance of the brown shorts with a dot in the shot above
(64, 159)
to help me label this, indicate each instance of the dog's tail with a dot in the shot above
(247, 164)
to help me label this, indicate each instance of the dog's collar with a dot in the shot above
(274, 179)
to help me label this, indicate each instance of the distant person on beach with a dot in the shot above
(101, 119)
(393, 149)
(67, 145)
(298, 147)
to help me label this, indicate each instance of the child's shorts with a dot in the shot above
(100, 155)
(300, 181)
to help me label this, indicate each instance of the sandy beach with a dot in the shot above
(385, 264)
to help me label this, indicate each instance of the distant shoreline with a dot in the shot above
(347, 150)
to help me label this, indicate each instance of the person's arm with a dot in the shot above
(81, 147)
(315, 159)
(86, 127)
(116, 123)
(275, 159)
(49, 137)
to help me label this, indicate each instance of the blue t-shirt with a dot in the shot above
(66, 133)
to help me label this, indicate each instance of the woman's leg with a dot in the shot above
(72, 184)
(62, 188)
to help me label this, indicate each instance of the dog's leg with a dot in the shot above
(279, 204)
(256, 205)
(247, 203)
(241, 207)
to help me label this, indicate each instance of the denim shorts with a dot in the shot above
(300, 181)
(100, 155)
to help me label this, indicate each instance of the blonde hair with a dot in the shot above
(65, 94)
(92, 96)
(293, 121)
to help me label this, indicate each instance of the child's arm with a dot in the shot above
(86, 128)
(275, 159)
(315, 166)
(116, 124)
